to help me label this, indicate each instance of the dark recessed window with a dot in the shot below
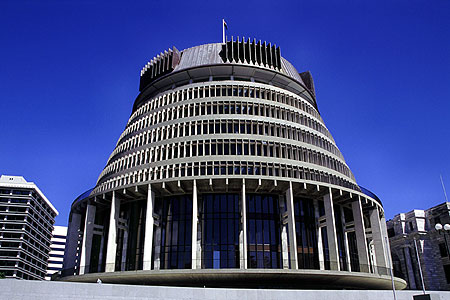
(447, 272)
(442, 250)
(391, 232)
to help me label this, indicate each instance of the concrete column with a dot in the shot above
(319, 236)
(347, 251)
(112, 234)
(409, 268)
(70, 253)
(372, 258)
(378, 240)
(291, 226)
(331, 231)
(385, 240)
(87, 239)
(243, 233)
(194, 225)
(148, 239)
(361, 240)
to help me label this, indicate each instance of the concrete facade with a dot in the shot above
(24, 290)
(26, 225)
(57, 247)
(226, 163)
(432, 246)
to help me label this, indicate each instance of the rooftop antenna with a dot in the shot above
(224, 27)
(443, 187)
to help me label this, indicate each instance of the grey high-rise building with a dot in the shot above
(226, 175)
(26, 224)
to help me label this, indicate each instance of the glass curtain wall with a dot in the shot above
(130, 240)
(121, 236)
(326, 252)
(98, 250)
(135, 248)
(175, 240)
(263, 232)
(352, 243)
(305, 226)
(353, 251)
(220, 230)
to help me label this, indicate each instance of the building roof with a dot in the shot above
(20, 182)
(210, 54)
(251, 58)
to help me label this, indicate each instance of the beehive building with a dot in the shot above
(226, 175)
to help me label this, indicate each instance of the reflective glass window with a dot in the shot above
(174, 232)
(263, 232)
(305, 226)
(220, 234)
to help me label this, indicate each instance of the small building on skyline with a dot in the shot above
(56, 256)
(432, 247)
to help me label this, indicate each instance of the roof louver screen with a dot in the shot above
(251, 52)
(160, 65)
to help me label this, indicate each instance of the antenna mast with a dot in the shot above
(443, 187)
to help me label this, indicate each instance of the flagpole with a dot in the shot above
(223, 31)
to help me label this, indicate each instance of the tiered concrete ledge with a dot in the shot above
(257, 278)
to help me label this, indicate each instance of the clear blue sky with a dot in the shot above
(69, 73)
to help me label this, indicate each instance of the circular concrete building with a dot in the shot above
(226, 175)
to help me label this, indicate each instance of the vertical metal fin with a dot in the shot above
(247, 51)
(153, 73)
(157, 65)
(274, 56)
(166, 62)
(233, 50)
(258, 52)
(176, 57)
(253, 51)
(230, 50)
(170, 61)
(279, 58)
(236, 50)
(264, 54)
(224, 52)
(269, 55)
(161, 63)
(241, 50)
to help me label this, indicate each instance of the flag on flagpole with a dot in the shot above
(224, 27)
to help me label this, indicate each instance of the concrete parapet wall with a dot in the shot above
(40, 290)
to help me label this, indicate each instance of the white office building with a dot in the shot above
(26, 224)
(56, 256)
